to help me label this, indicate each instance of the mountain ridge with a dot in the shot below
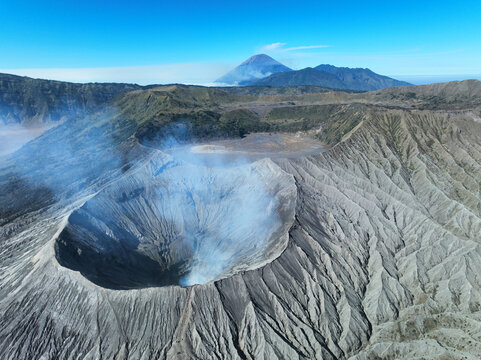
(373, 80)
(263, 70)
(29, 101)
(307, 76)
(330, 76)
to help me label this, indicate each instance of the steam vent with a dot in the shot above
(180, 222)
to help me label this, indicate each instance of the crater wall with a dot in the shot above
(179, 222)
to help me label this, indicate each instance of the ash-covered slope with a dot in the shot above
(383, 260)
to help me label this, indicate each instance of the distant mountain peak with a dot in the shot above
(260, 59)
(256, 67)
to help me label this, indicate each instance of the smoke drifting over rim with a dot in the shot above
(222, 206)
(14, 136)
(76, 156)
(160, 217)
(180, 219)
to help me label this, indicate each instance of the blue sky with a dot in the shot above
(196, 41)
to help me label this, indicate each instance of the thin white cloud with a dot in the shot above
(187, 73)
(272, 47)
(294, 48)
(280, 47)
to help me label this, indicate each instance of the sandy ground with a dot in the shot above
(261, 145)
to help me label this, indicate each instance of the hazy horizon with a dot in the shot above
(189, 74)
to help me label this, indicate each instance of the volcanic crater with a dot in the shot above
(184, 218)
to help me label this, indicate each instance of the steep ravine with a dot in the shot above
(383, 261)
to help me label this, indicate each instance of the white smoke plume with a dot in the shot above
(221, 206)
